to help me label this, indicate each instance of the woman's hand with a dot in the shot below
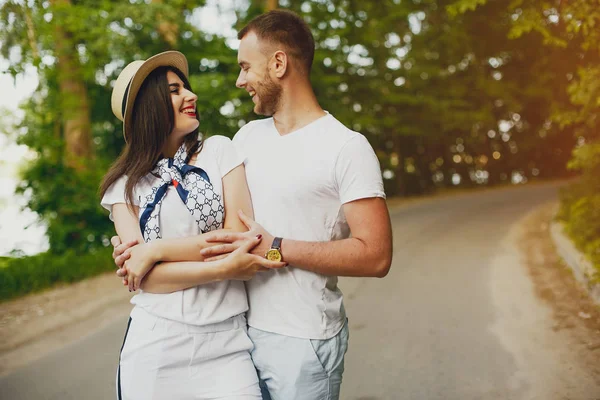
(141, 259)
(120, 255)
(242, 265)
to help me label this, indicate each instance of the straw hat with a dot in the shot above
(133, 75)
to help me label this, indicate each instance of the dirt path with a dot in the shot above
(574, 313)
(37, 324)
(545, 320)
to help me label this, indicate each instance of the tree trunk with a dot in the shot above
(271, 5)
(166, 29)
(400, 173)
(75, 108)
(31, 35)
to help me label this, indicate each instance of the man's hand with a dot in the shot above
(231, 241)
(120, 255)
(241, 264)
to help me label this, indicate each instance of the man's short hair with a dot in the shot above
(288, 29)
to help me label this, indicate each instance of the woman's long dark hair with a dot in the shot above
(152, 122)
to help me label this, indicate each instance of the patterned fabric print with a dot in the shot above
(194, 189)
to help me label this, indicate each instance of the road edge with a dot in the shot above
(582, 268)
(85, 307)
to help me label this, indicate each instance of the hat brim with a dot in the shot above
(173, 59)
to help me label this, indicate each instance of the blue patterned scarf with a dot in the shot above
(194, 189)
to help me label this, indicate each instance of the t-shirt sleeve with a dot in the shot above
(357, 171)
(228, 156)
(116, 194)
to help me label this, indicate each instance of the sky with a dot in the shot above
(19, 229)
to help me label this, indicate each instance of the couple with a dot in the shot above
(185, 210)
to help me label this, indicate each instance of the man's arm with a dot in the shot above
(239, 265)
(367, 253)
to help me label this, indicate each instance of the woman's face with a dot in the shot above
(184, 106)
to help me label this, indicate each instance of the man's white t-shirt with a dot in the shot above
(204, 304)
(299, 182)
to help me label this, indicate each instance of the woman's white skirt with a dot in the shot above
(164, 359)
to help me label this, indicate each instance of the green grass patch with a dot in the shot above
(23, 275)
(580, 212)
(4, 261)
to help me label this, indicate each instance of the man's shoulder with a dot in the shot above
(256, 125)
(337, 132)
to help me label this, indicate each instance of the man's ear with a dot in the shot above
(279, 63)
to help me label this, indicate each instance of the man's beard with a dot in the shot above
(269, 96)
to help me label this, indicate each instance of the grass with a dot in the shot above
(4, 261)
(24, 275)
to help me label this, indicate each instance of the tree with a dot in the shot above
(571, 29)
(439, 90)
(427, 87)
(73, 95)
(78, 49)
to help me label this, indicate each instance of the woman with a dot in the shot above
(186, 337)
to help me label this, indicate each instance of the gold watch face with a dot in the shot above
(273, 255)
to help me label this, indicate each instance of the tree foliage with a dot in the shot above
(469, 91)
(78, 52)
(570, 28)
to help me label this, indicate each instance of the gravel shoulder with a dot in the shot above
(35, 325)
(546, 320)
(575, 316)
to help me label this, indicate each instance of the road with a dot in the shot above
(456, 318)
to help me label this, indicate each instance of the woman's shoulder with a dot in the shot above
(216, 145)
(217, 140)
(220, 150)
(141, 185)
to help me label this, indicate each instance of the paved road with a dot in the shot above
(432, 329)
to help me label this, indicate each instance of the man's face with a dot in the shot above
(255, 78)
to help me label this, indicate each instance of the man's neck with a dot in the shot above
(297, 110)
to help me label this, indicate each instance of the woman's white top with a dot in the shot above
(199, 305)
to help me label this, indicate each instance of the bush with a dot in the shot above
(20, 276)
(580, 203)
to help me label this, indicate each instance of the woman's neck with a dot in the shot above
(171, 147)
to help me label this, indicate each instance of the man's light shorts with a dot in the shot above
(291, 368)
(164, 359)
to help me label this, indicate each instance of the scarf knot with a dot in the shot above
(194, 189)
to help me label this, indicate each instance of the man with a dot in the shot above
(314, 183)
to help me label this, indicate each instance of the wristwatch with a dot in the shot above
(274, 253)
